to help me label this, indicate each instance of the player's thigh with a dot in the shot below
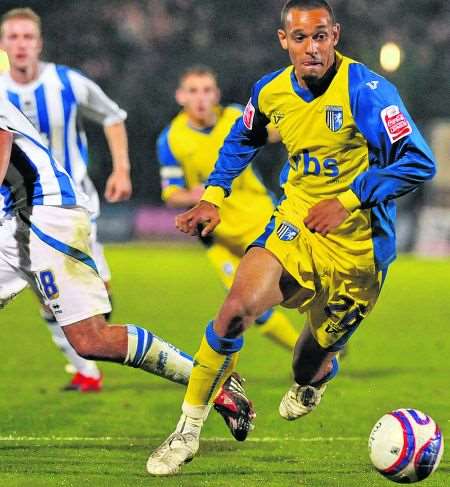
(225, 263)
(61, 265)
(344, 302)
(256, 287)
(284, 241)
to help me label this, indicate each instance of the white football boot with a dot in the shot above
(300, 400)
(179, 448)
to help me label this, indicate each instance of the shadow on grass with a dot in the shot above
(142, 388)
(374, 373)
(83, 472)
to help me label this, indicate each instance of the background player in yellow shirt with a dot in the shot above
(187, 150)
(353, 148)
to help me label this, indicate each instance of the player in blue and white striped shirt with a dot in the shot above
(44, 243)
(55, 99)
(34, 178)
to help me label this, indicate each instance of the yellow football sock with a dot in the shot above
(280, 330)
(210, 371)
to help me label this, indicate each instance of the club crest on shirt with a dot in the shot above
(334, 116)
(287, 232)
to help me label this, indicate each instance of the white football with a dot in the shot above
(406, 446)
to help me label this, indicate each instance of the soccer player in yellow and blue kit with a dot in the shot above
(187, 150)
(353, 148)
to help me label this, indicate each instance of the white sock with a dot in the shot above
(187, 424)
(153, 354)
(196, 413)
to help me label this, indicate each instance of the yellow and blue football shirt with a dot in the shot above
(187, 156)
(354, 141)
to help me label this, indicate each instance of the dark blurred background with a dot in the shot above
(135, 49)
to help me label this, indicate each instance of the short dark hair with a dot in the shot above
(305, 5)
(198, 70)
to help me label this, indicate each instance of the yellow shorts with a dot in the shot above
(335, 300)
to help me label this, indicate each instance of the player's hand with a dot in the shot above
(118, 187)
(325, 216)
(204, 213)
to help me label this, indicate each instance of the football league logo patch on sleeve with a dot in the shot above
(249, 115)
(287, 232)
(334, 116)
(396, 124)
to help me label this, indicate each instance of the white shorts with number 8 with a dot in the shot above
(48, 247)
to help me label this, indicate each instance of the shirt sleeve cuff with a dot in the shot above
(349, 200)
(118, 117)
(214, 195)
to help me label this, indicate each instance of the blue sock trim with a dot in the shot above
(184, 354)
(331, 375)
(265, 317)
(220, 344)
(144, 342)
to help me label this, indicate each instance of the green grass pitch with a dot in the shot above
(398, 358)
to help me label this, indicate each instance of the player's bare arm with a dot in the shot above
(326, 216)
(204, 213)
(6, 139)
(118, 186)
(185, 198)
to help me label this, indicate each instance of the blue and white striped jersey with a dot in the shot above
(55, 103)
(33, 176)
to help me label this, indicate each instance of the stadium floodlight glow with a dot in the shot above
(390, 56)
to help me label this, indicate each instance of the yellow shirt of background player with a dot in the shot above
(245, 213)
(4, 63)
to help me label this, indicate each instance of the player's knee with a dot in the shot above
(240, 308)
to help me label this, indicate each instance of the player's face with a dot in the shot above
(310, 37)
(21, 40)
(198, 95)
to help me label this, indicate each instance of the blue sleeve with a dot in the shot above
(246, 137)
(400, 159)
(171, 172)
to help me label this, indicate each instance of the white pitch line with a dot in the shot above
(267, 439)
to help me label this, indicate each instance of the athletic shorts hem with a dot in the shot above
(82, 316)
